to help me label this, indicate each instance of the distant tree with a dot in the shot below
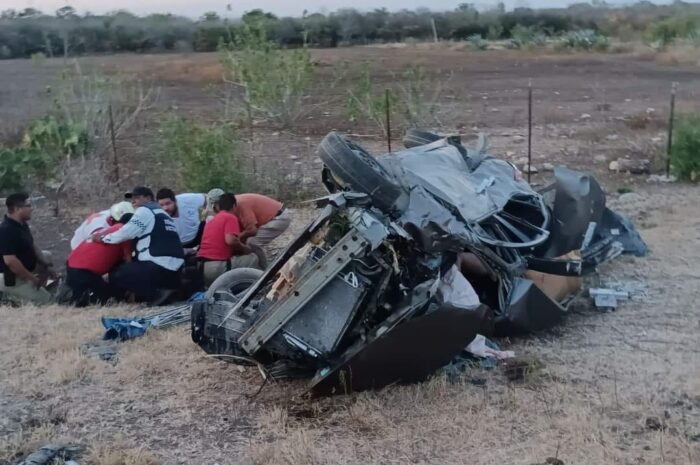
(66, 12)
(29, 13)
(210, 16)
(8, 14)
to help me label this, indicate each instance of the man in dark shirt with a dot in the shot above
(24, 268)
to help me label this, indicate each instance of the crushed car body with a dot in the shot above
(411, 256)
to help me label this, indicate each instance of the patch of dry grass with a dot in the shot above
(119, 452)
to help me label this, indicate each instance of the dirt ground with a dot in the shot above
(613, 388)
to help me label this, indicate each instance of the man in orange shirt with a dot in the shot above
(262, 219)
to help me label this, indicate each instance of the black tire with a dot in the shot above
(260, 253)
(417, 137)
(360, 171)
(234, 281)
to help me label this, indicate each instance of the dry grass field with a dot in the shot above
(616, 388)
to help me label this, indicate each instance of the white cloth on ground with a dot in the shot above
(479, 348)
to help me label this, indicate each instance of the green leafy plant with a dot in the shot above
(274, 81)
(526, 37)
(419, 98)
(23, 167)
(586, 39)
(665, 32)
(478, 42)
(206, 153)
(366, 101)
(685, 153)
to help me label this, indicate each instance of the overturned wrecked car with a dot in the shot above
(411, 256)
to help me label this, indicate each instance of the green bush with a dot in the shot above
(526, 37)
(368, 102)
(685, 153)
(586, 39)
(23, 167)
(274, 81)
(45, 142)
(677, 27)
(478, 42)
(206, 153)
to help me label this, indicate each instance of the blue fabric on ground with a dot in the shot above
(124, 328)
(197, 296)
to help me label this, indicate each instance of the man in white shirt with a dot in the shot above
(186, 211)
(100, 220)
(158, 251)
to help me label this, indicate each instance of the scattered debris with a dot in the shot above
(585, 116)
(662, 178)
(606, 299)
(612, 137)
(531, 169)
(636, 166)
(484, 348)
(654, 424)
(49, 453)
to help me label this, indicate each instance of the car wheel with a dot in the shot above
(360, 171)
(234, 281)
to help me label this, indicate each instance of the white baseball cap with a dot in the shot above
(120, 209)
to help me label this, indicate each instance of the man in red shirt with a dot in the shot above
(221, 249)
(92, 260)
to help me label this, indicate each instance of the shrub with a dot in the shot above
(478, 42)
(526, 37)
(667, 31)
(274, 81)
(685, 153)
(419, 98)
(206, 154)
(586, 39)
(367, 102)
(22, 167)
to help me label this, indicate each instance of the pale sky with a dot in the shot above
(195, 8)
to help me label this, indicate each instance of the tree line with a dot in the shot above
(66, 33)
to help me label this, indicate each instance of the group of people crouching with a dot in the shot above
(138, 248)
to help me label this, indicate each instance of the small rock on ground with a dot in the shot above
(548, 167)
(631, 197)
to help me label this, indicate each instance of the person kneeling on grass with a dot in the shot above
(158, 252)
(24, 269)
(100, 220)
(221, 249)
(90, 261)
(262, 218)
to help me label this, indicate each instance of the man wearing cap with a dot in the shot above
(90, 261)
(24, 268)
(262, 219)
(158, 251)
(100, 220)
(185, 210)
